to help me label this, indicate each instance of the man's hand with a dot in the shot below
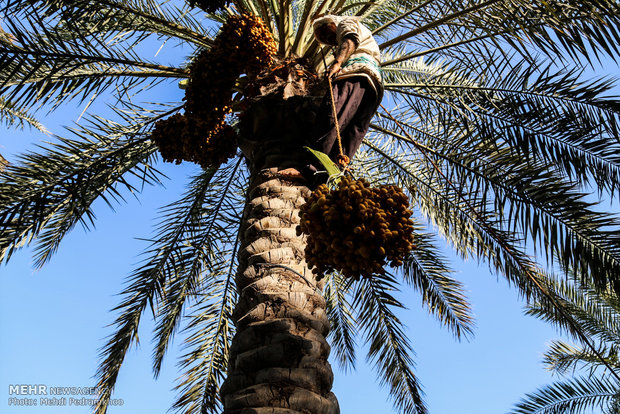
(333, 70)
(345, 50)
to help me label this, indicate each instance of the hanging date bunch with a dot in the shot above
(201, 135)
(356, 229)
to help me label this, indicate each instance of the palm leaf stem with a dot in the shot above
(436, 23)
(98, 160)
(281, 13)
(11, 114)
(119, 343)
(405, 139)
(220, 321)
(443, 47)
(526, 92)
(104, 74)
(306, 22)
(287, 35)
(526, 269)
(408, 139)
(368, 8)
(174, 27)
(273, 7)
(96, 59)
(402, 16)
(388, 157)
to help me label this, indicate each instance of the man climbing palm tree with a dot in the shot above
(356, 90)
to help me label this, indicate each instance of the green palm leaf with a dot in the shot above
(562, 358)
(14, 116)
(342, 320)
(594, 314)
(52, 62)
(210, 332)
(444, 296)
(103, 161)
(389, 348)
(575, 396)
(182, 262)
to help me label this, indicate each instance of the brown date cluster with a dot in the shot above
(356, 229)
(201, 135)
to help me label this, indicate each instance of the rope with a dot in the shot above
(341, 159)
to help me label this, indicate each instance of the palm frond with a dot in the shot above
(11, 115)
(342, 321)
(171, 265)
(43, 66)
(117, 20)
(463, 220)
(575, 396)
(556, 28)
(210, 330)
(475, 146)
(45, 195)
(562, 357)
(483, 231)
(539, 113)
(427, 271)
(389, 347)
(425, 268)
(591, 310)
(214, 225)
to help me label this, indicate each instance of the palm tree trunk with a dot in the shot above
(278, 358)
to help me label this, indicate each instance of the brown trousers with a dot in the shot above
(356, 103)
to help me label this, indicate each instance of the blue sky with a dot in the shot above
(53, 321)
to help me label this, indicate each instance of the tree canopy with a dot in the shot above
(491, 124)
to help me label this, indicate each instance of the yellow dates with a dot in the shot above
(201, 135)
(356, 229)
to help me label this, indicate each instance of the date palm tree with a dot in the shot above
(596, 313)
(493, 130)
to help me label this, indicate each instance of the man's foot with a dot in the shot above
(290, 174)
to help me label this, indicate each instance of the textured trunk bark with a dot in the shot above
(278, 358)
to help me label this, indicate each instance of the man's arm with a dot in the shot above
(345, 50)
